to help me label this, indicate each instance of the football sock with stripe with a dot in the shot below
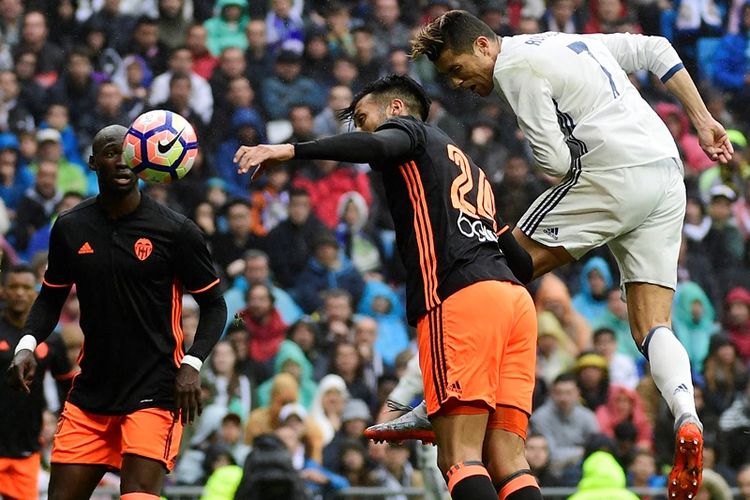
(470, 481)
(139, 495)
(520, 485)
(670, 369)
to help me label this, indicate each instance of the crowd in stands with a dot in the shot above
(317, 337)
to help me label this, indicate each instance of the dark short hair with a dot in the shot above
(604, 331)
(455, 30)
(179, 75)
(296, 191)
(18, 269)
(565, 377)
(389, 87)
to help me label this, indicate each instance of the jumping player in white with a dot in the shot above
(623, 179)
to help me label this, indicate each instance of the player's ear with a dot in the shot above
(91, 162)
(482, 43)
(397, 107)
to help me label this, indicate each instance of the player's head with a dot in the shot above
(386, 97)
(106, 160)
(19, 283)
(462, 47)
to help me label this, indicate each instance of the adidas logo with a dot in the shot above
(551, 232)
(681, 388)
(455, 387)
(85, 249)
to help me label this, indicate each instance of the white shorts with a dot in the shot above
(637, 211)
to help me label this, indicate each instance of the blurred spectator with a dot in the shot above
(737, 320)
(287, 87)
(230, 246)
(14, 181)
(354, 420)
(317, 59)
(328, 406)
(694, 321)
(264, 419)
(624, 405)
(382, 303)
(602, 478)
(486, 151)
(554, 348)
(32, 95)
(327, 268)
(227, 27)
(290, 359)
(232, 388)
(338, 22)
(58, 118)
(301, 119)
(724, 373)
(181, 61)
(265, 327)
(621, 367)
(39, 241)
(345, 73)
(616, 319)
(290, 243)
(268, 473)
(272, 201)
(517, 189)
(565, 423)
(389, 32)
(369, 65)
(179, 101)
(284, 27)
(607, 16)
(365, 336)
(713, 487)
(231, 66)
(38, 203)
(723, 242)
(145, 43)
(561, 16)
(109, 110)
(173, 22)
(399, 471)
(552, 295)
(735, 424)
(117, 25)
(70, 176)
(14, 116)
(357, 242)
(258, 57)
(678, 124)
(733, 174)
(230, 435)
(731, 71)
(76, 87)
(538, 456)
(11, 14)
(592, 375)
(697, 221)
(34, 38)
(197, 43)
(743, 481)
(245, 124)
(591, 300)
(133, 78)
(642, 471)
(327, 122)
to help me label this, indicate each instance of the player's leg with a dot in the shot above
(85, 447)
(74, 481)
(508, 424)
(150, 442)
(19, 477)
(647, 257)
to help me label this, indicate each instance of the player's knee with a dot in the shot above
(447, 458)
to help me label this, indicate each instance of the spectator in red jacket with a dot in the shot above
(266, 328)
(623, 405)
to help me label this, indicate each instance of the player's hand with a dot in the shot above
(188, 393)
(21, 371)
(261, 156)
(714, 141)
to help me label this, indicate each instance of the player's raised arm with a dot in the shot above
(355, 147)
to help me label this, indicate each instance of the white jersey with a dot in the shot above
(575, 103)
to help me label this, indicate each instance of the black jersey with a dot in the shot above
(130, 274)
(21, 413)
(444, 214)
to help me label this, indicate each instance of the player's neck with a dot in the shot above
(117, 205)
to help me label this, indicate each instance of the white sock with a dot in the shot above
(670, 368)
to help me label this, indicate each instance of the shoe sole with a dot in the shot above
(685, 478)
(398, 437)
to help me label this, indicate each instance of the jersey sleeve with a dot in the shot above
(194, 265)
(530, 96)
(58, 273)
(414, 130)
(639, 52)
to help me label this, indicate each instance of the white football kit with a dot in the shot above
(585, 121)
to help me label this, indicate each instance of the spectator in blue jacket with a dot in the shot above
(287, 87)
(246, 124)
(732, 65)
(591, 300)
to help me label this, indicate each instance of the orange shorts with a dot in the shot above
(88, 438)
(19, 477)
(478, 350)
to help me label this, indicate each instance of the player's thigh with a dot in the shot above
(503, 453)
(86, 438)
(583, 212)
(19, 477)
(154, 434)
(461, 343)
(74, 481)
(459, 433)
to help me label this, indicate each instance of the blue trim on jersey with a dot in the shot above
(554, 197)
(669, 74)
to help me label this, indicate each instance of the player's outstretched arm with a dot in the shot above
(711, 135)
(42, 320)
(355, 147)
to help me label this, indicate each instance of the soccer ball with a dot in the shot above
(160, 146)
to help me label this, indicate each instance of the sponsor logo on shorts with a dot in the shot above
(475, 229)
(455, 387)
(551, 232)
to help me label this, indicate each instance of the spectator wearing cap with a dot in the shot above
(70, 177)
(354, 420)
(287, 87)
(227, 28)
(284, 27)
(327, 268)
(14, 180)
(38, 202)
(245, 126)
(723, 242)
(565, 423)
(35, 38)
(14, 116)
(290, 244)
(592, 374)
(201, 98)
(76, 87)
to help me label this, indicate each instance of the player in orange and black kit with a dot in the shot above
(130, 259)
(21, 415)
(476, 325)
